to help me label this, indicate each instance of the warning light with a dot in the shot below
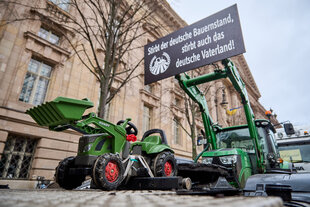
(280, 160)
(268, 113)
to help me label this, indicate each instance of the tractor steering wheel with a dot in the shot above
(131, 129)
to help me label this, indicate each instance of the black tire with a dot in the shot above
(164, 165)
(108, 171)
(63, 178)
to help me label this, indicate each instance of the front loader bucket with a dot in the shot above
(60, 111)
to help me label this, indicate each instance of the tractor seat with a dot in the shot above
(153, 139)
(150, 139)
(146, 144)
(162, 138)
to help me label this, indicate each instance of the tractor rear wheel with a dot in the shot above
(63, 178)
(108, 171)
(164, 165)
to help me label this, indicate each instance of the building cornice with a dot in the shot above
(174, 18)
(42, 41)
(248, 79)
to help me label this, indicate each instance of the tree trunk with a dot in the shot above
(193, 130)
(193, 137)
(104, 92)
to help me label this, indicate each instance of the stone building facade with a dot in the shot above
(31, 49)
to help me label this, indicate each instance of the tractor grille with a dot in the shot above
(238, 166)
(85, 141)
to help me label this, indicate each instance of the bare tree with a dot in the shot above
(192, 113)
(191, 110)
(113, 27)
(104, 34)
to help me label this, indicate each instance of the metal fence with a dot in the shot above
(17, 156)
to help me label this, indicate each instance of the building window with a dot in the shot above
(113, 28)
(49, 36)
(149, 88)
(177, 102)
(176, 131)
(147, 119)
(17, 157)
(63, 4)
(35, 83)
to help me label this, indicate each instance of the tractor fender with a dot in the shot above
(244, 174)
(158, 148)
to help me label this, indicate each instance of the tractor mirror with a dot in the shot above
(201, 140)
(289, 129)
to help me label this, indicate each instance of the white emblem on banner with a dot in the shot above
(159, 64)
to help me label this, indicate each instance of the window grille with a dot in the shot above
(63, 4)
(36, 82)
(17, 156)
(49, 36)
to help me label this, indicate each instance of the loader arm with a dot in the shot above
(189, 85)
(65, 113)
(196, 95)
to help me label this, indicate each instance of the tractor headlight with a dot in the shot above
(207, 160)
(87, 147)
(226, 160)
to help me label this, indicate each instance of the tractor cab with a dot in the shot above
(236, 150)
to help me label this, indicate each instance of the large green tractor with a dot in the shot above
(248, 152)
(236, 151)
(106, 152)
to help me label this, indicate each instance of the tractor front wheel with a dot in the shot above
(164, 165)
(108, 171)
(63, 178)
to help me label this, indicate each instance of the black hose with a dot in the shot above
(199, 155)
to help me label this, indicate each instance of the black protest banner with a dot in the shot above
(214, 38)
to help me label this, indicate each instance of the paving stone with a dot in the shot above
(97, 198)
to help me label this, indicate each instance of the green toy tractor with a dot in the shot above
(104, 152)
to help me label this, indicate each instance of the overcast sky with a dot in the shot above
(277, 40)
